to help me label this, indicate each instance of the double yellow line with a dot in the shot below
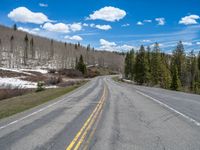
(93, 118)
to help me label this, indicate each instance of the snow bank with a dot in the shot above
(43, 71)
(16, 70)
(36, 70)
(16, 83)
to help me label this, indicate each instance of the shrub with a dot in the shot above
(9, 93)
(54, 80)
(72, 73)
(52, 71)
(40, 86)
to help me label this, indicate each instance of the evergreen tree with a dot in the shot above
(25, 57)
(193, 70)
(149, 57)
(179, 60)
(15, 27)
(81, 66)
(127, 65)
(11, 43)
(132, 63)
(175, 84)
(141, 67)
(32, 48)
(156, 65)
(199, 60)
(51, 50)
(88, 47)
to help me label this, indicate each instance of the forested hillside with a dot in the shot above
(179, 71)
(19, 49)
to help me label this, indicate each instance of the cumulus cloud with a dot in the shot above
(112, 46)
(146, 41)
(198, 43)
(74, 38)
(187, 43)
(43, 5)
(85, 25)
(161, 21)
(108, 13)
(31, 31)
(24, 15)
(58, 27)
(92, 25)
(188, 20)
(75, 26)
(126, 25)
(61, 27)
(140, 23)
(103, 27)
(148, 21)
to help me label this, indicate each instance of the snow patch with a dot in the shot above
(16, 83)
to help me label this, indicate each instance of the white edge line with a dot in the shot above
(34, 113)
(40, 110)
(172, 109)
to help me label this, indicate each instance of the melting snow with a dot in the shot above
(16, 83)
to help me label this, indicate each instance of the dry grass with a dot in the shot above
(18, 104)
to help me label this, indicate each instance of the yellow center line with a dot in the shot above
(89, 127)
(92, 133)
(86, 123)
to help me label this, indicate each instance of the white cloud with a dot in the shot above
(148, 21)
(62, 28)
(187, 43)
(43, 5)
(92, 25)
(112, 46)
(188, 20)
(198, 43)
(124, 47)
(85, 25)
(31, 31)
(103, 27)
(24, 15)
(107, 43)
(58, 27)
(75, 27)
(161, 21)
(146, 41)
(140, 23)
(126, 25)
(108, 13)
(74, 38)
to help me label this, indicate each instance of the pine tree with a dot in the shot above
(156, 65)
(14, 27)
(127, 65)
(175, 84)
(199, 61)
(32, 48)
(193, 70)
(51, 50)
(25, 57)
(141, 67)
(88, 47)
(165, 79)
(81, 66)
(132, 63)
(179, 60)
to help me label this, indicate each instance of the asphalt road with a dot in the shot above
(106, 115)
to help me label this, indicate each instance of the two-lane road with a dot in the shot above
(105, 115)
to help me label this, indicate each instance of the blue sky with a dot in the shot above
(108, 24)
